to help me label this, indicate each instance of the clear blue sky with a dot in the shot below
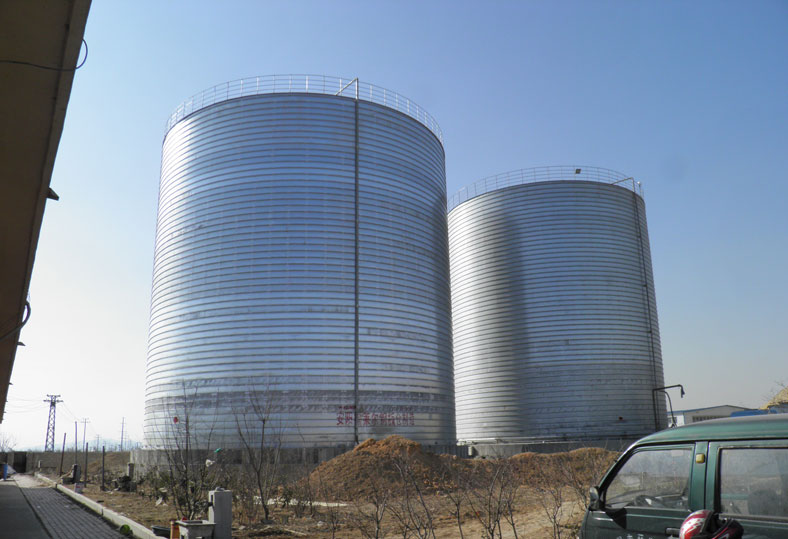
(691, 98)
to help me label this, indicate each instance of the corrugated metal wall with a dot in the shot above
(278, 214)
(554, 314)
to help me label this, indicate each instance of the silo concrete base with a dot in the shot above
(508, 449)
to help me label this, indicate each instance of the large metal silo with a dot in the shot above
(301, 263)
(554, 315)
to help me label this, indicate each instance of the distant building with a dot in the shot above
(685, 417)
(780, 408)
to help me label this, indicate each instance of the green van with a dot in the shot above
(737, 467)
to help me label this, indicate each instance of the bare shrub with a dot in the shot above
(299, 495)
(331, 510)
(551, 498)
(246, 499)
(563, 480)
(189, 474)
(454, 483)
(582, 469)
(368, 517)
(411, 511)
(492, 497)
(510, 490)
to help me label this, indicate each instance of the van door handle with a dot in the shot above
(672, 531)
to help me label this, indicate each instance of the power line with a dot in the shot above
(24, 408)
(69, 412)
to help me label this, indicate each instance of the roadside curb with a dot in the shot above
(139, 531)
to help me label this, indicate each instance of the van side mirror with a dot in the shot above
(594, 503)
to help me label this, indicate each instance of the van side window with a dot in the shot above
(656, 478)
(754, 481)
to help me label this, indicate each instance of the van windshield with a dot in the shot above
(652, 478)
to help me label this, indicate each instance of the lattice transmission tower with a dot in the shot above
(50, 443)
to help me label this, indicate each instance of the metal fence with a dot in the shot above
(313, 84)
(541, 174)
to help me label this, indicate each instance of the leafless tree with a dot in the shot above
(331, 508)
(455, 484)
(772, 397)
(7, 442)
(368, 517)
(245, 497)
(582, 469)
(187, 446)
(551, 498)
(488, 497)
(261, 443)
(510, 487)
(301, 489)
(562, 481)
(411, 511)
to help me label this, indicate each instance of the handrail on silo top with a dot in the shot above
(542, 174)
(313, 84)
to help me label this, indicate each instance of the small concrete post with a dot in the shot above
(220, 512)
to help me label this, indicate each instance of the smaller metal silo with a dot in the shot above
(553, 308)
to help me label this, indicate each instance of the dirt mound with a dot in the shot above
(378, 466)
(392, 446)
(585, 465)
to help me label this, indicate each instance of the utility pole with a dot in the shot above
(49, 445)
(122, 429)
(85, 422)
(62, 454)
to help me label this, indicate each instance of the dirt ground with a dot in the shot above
(411, 488)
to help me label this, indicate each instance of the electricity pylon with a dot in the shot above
(50, 443)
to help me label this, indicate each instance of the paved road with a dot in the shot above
(17, 519)
(61, 518)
